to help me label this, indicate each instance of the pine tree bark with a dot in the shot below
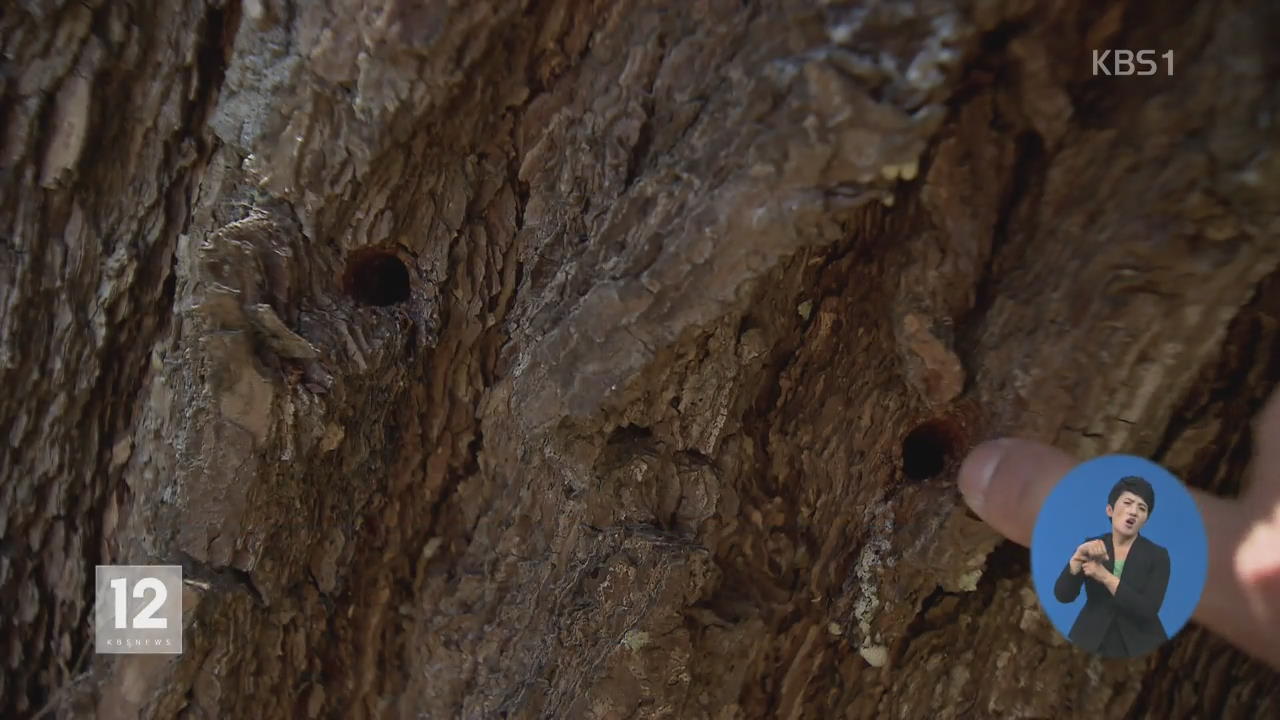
(545, 358)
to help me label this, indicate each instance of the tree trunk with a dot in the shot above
(557, 359)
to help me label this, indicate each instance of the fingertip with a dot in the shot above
(1242, 574)
(976, 472)
(1006, 481)
(1257, 560)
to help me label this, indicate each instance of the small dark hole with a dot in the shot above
(376, 277)
(926, 449)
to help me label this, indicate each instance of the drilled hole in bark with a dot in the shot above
(926, 450)
(376, 277)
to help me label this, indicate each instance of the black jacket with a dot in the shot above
(1126, 624)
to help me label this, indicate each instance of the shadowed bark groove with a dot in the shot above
(544, 358)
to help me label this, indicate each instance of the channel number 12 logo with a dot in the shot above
(139, 609)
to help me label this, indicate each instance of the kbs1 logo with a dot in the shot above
(1131, 62)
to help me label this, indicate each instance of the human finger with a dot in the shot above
(1240, 598)
(1257, 564)
(1241, 601)
(1006, 481)
(1098, 549)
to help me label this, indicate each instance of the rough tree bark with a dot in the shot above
(555, 358)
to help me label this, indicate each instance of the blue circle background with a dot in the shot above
(1076, 510)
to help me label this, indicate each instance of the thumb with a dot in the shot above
(1006, 481)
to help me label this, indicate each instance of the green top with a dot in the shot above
(1119, 568)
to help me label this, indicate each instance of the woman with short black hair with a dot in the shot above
(1124, 576)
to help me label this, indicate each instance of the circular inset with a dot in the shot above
(376, 277)
(1119, 556)
(926, 449)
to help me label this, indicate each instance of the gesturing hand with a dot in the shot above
(1088, 550)
(1006, 481)
(1095, 570)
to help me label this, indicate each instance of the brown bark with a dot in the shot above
(555, 358)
